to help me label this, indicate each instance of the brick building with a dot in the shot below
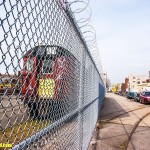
(124, 86)
(136, 83)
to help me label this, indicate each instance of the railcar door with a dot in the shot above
(29, 77)
(46, 88)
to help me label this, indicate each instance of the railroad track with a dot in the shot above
(8, 93)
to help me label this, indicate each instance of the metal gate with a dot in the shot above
(51, 88)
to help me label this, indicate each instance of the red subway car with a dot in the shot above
(50, 79)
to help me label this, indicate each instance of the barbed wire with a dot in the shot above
(87, 29)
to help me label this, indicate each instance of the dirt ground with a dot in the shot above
(112, 132)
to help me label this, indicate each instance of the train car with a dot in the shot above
(7, 85)
(50, 77)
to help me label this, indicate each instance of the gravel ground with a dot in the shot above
(12, 111)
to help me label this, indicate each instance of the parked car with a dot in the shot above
(117, 92)
(130, 95)
(120, 93)
(7, 85)
(136, 97)
(145, 97)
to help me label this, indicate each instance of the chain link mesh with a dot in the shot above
(50, 88)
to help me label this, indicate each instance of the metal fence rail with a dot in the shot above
(51, 90)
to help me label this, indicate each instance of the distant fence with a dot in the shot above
(51, 91)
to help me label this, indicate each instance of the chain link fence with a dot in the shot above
(50, 88)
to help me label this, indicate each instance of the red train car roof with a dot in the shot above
(48, 50)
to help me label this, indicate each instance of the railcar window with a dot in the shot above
(47, 66)
(41, 51)
(51, 50)
(46, 50)
(29, 65)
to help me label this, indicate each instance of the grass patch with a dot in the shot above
(19, 132)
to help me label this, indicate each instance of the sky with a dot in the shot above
(123, 36)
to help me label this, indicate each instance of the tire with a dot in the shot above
(144, 102)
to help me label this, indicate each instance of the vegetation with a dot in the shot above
(19, 132)
(115, 87)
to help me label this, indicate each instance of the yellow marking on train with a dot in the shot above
(46, 88)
